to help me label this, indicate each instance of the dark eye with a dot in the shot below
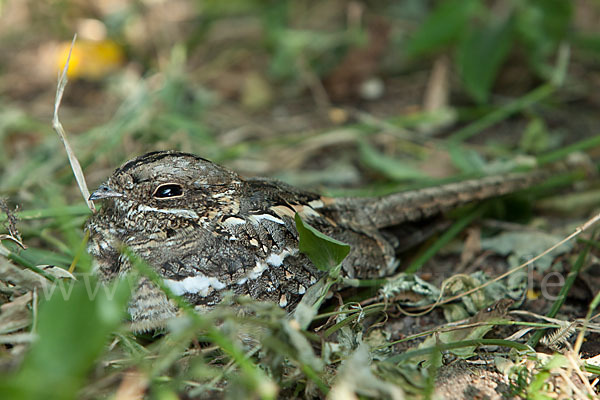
(168, 190)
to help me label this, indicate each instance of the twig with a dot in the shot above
(75, 166)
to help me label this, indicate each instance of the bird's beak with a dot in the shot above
(104, 192)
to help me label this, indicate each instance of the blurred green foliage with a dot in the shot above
(73, 328)
(483, 37)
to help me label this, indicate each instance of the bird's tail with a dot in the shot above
(414, 205)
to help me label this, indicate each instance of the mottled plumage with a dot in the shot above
(207, 230)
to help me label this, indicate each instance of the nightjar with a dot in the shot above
(206, 230)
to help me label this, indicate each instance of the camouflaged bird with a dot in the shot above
(206, 230)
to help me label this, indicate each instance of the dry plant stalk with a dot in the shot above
(75, 166)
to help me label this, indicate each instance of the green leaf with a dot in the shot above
(544, 22)
(73, 328)
(541, 26)
(480, 56)
(325, 252)
(38, 256)
(443, 26)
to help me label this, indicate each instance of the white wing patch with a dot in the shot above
(198, 284)
(277, 259)
(234, 221)
(308, 212)
(258, 270)
(283, 301)
(316, 203)
(274, 260)
(257, 218)
(241, 281)
(283, 211)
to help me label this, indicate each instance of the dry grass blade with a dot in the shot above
(575, 363)
(75, 166)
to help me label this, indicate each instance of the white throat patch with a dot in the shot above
(198, 284)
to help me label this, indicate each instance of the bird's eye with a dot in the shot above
(168, 191)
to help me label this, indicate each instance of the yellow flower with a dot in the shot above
(90, 59)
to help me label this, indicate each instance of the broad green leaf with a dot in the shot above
(542, 25)
(325, 252)
(480, 56)
(73, 328)
(443, 26)
(543, 22)
(37, 256)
